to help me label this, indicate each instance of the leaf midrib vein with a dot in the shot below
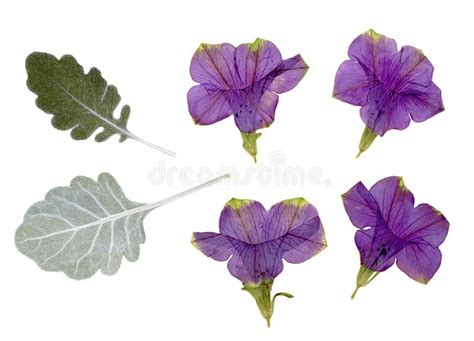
(92, 111)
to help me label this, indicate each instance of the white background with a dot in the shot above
(173, 292)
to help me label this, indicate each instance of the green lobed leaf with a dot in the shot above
(78, 101)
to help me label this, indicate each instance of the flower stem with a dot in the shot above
(250, 143)
(368, 136)
(364, 277)
(355, 292)
(261, 292)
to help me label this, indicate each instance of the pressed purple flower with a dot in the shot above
(390, 85)
(243, 81)
(390, 228)
(257, 241)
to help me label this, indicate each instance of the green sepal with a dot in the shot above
(374, 36)
(368, 136)
(250, 143)
(261, 292)
(257, 44)
(237, 204)
(364, 277)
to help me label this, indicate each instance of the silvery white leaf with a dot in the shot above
(87, 226)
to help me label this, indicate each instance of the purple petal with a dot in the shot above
(373, 52)
(419, 261)
(361, 206)
(214, 245)
(383, 111)
(352, 83)
(288, 74)
(378, 247)
(293, 232)
(243, 220)
(407, 69)
(214, 64)
(377, 244)
(253, 107)
(242, 82)
(255, 61)
(207, 104)
(389, 86)
(395, 201)
(422, 103)
(386, 110)
(295, 224)
(391, 228)
(303, 242)
(288, 215)
(250, 263)
(357, 80)
(257, 241)
(255, 263)
(425, 225)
